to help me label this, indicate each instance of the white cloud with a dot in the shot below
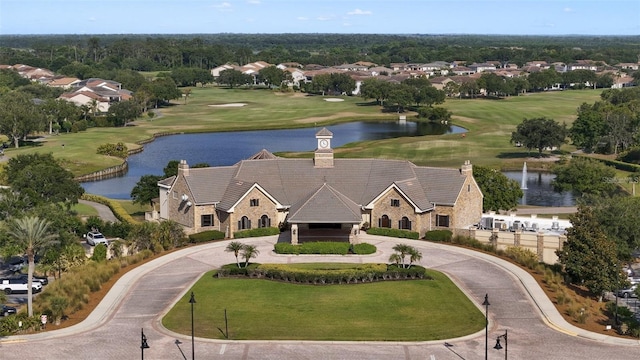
(568, 9)
(360, 12)
(223, 6)
(92, 19)
(325, 18)
(254, 2)
(302, 18)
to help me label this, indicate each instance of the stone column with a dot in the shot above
(493, 240)
(540, 246)
(516, 238)
(294, 234)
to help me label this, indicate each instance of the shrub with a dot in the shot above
(398, 233)
(439, 235)
(522, 256)
(266, 231)
(99, 253)
(363, 249)
(119, 150)
(204, 236)
(325, 248)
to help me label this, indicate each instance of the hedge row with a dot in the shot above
(117, 209)
(439, 235)
(324, 248)
(205, 236)
(361, 274)
(398, 233)
(266, 231)
(620, 165)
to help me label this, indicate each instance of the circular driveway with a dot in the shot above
(141, 297)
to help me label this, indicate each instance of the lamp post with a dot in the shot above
(486, 325)
(193, 350)
(143, 342)
(506, 344)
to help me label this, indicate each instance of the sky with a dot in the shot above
(508, 17)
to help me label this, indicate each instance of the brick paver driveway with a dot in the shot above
(141, 297)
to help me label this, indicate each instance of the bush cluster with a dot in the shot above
(119, 150)
(398, 233)
(439, 235)
(205, 236)
(324, 248)
(522, 256)
(69, 293)
(363, 273)
(266, 231)
(625, 317)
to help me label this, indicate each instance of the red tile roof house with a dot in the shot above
(105, 92)
(322, 197)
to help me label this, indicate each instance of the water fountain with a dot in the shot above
(523, 184)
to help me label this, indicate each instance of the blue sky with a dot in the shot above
(517, 17)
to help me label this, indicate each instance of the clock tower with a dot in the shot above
(324, 153)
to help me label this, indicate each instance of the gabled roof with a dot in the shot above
(262, 154)
(325, 205)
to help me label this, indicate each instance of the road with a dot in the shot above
(141, 297)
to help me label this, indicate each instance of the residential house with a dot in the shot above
(63, 82)
(97, 93)
(478, 68)
(320, 198)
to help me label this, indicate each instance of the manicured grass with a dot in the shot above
(413, 310)
(85, 210)
(490, 123)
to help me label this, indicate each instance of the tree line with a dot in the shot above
(165, 52)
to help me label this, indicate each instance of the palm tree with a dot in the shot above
(414, 255)
(235, 247)
(395, 258)
(31, 234)
(403, 250)
(248, 252)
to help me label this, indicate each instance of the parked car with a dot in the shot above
(94, 238)
(41, 279)
(7, 310)
(16, 263)
(626, 293)
(10, 286)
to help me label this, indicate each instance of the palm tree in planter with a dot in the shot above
(235, 247)
(249, 252)
(31, 234)
(402, 250)
(414, 255)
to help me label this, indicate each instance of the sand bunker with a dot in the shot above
(333, 99)
(229, 105)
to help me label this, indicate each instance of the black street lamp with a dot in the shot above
(486, 325)
(193, 349)
(143, 342)
(506, 344)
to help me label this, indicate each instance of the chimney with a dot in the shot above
(183, 168)
(467, 168)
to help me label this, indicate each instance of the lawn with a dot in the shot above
(415, 310)
(490, 123)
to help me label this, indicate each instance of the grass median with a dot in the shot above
(257, 309)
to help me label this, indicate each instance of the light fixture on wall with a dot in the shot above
(184, 197)
(189, 203)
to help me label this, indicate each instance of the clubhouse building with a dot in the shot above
(320, 198)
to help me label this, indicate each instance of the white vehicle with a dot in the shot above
(94, 238)
(10, 286)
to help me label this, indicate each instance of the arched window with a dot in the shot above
(405, 223)
(244, 223)
(384, 222)
(264, 221)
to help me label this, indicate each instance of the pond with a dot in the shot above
(539, 191)
(227, 148)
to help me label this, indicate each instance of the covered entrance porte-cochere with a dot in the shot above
(310, 232)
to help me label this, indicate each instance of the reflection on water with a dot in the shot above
(539, 191)
(227, 148)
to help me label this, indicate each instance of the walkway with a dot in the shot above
(104, 212)
(141, 297)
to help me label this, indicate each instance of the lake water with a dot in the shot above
(227, 148)
(539, 191)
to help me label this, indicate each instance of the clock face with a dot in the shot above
(324, 143)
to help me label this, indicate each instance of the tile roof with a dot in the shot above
(325, 205)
